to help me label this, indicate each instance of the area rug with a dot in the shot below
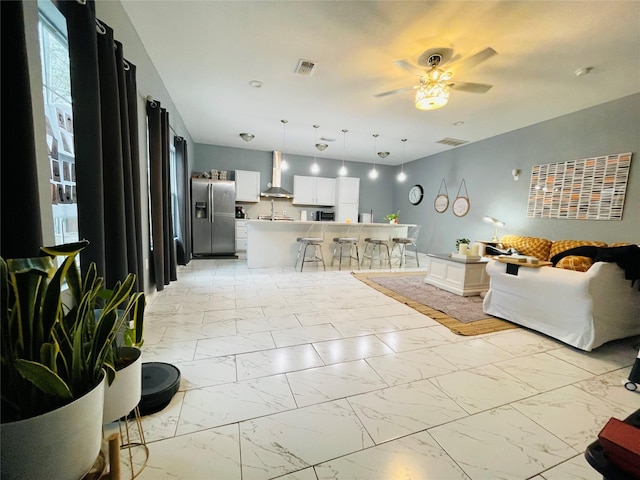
(461, 315)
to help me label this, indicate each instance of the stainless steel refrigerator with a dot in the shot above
(213, 224)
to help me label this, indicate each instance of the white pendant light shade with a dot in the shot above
(373, 173)
(343, 170)
(283, 165)
(402, 176)
(315, 168)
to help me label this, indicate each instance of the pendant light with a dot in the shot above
(315, 168)
(373, 173)
(343, 170)
(402, 176)
(283, 165)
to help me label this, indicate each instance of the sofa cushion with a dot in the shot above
(560, 246)
(530, 246)
(575, 263)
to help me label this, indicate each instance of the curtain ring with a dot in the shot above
(179, 139)
(126, 64)
(100, 28)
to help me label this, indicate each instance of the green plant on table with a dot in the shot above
(56, 343)
(392, 216)
(461, 240)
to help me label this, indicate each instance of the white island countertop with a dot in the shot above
(273, 243)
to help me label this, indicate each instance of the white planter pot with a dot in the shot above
(125, 392)
(62, 444)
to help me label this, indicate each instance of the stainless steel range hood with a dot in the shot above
(276, 190)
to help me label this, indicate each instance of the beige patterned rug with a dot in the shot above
(461, 315)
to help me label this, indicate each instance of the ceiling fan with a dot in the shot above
(435, 83)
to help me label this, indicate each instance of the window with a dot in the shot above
(175, 215)
(56, 84)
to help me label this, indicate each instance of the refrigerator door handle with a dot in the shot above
(210, 190)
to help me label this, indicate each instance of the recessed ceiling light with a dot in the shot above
(255, 83)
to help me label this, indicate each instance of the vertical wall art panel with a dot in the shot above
(587, 189)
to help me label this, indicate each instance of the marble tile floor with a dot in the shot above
(314, 376)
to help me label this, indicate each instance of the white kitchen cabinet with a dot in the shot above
(347, 190)
(347, 199)
(241, 235)
(314, 191)
(247, 186)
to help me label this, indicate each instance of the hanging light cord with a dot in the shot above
(344, 143)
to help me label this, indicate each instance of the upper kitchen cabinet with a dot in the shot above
(347, 190)
(318, 191)
(247, 186)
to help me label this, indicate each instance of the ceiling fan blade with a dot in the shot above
(470, 87)
(473, 60)
(409, 67)
(393, 92)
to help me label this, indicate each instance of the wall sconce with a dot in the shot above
(496, 223)
(516, 174)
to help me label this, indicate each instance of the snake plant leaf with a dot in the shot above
(66, 249)
(44, 379)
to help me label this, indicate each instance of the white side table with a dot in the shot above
(456, 276)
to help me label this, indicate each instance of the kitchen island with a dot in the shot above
(273, 243)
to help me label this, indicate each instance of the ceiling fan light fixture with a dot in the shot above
(432, 95)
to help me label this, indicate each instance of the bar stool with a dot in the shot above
(376, 244)
(309, 240)
(349, 241)
(409, 241)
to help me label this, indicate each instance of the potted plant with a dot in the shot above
(56, 357)
(125, 392)
(392, 217)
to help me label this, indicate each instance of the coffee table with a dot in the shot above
(456, 276)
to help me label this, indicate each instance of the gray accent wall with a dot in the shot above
(486, 166)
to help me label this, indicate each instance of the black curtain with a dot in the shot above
(163, 244)
(20, 219)
(184, 201)
(107, 174)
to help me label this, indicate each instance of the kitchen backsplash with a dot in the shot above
(282, 206)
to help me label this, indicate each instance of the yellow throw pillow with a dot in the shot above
(575, 263)
(530, 246)
(560, 246)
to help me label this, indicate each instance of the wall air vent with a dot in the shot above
(327, 139)
(452, 142)
(306, 67)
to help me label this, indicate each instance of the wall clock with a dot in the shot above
(415, 194)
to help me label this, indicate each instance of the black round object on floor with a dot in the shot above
(160, 382)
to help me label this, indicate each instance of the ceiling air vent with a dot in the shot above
(305, 67)
(452, 142)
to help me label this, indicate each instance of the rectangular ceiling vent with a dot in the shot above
(305, 67)
(452, 142)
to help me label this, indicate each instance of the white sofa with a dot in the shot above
(582, 309)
